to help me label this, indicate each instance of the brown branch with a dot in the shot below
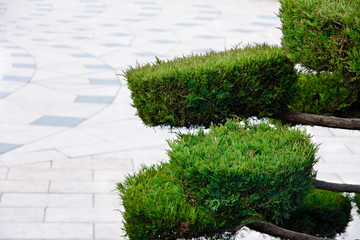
(267, 228)
(320, 120)
(337, 187)
(275, 231)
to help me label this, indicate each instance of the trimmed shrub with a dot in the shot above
(323, 35)
(323, 94)
(321, 213)
(357, 201)
(259, 172)
(202, 89)
(156, 207)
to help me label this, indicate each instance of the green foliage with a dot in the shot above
(323, 94)
(202, 89)
(321, 213)
(156, 207)
(323, 35)
(257, 172)
(357, 201)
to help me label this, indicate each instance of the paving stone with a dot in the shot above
(82, 215)
(25, 214)
(109, 230)
(3, 172)
(46, 200)
(107, 201)
(110, 175)
(54, 174)
(46, 230)
(21, 186)
(94, 163)
(82, 187)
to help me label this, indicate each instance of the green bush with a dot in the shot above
(156, 207)
(259, 172)
(322, 213)
(357, 201)
(202, 89)
(323, 35)
(323, 94)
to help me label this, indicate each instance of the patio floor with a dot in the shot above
(67, 130)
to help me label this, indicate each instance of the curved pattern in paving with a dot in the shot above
(67, 130)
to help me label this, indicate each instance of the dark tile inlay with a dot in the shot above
(102, 81)
(208, 37)
(265, 24)
(4, 94)
(80, 55)
(23, 65)
(5, 147)
(113, 45)
(241, 30)
(20, 55)
(95, 99)
(58, 121)
(16, 78)
(186, 24)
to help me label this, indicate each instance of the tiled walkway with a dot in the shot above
(67, 130)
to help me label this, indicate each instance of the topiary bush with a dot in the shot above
(252, 183)
(257, 171)
(324, 94)
(321, 213)
(202, 89)
(156, 207)
(323, 35)
(357, 201)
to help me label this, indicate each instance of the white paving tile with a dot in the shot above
(107, 201)
(21, 186)
(51, 174)
(16, 214)
(109, 231)
(46, 200)
(82, 215)
(81, 186)
(3, 172)
(121, 163)
(46, 230)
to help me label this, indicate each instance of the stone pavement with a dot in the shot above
(67, 130)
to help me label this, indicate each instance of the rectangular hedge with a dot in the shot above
(202, 89)
(323, 35)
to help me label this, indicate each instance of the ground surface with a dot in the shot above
(67, 130)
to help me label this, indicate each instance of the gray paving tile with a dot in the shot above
(26, 55)
(81, 55)
(23, 65)
(58, 121)
(102, 81)
(113, 45)
(4, 94)
(6, 147)
(61, 46)
(95, 99)
(16, 78)
(265, 24)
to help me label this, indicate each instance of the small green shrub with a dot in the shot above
(323, 94)
(357, 201)
(323, 35)
(259, 172)
(156, 207)
(202, 89)
(321, 213)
